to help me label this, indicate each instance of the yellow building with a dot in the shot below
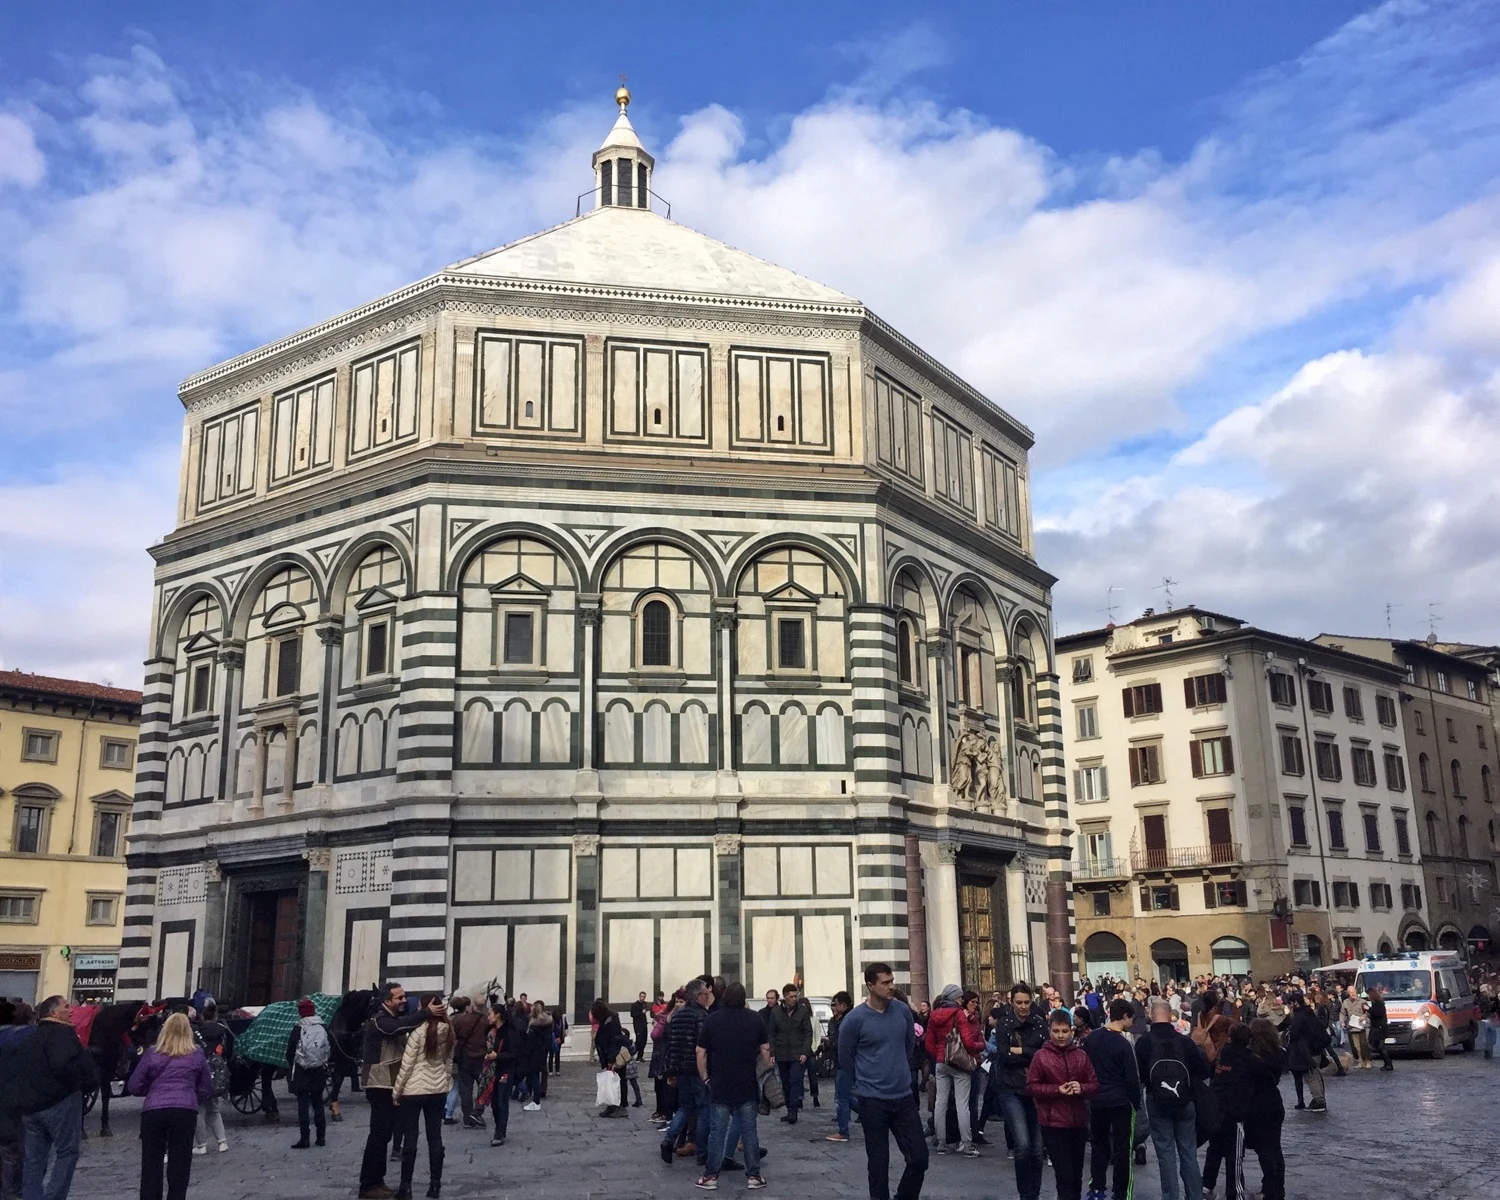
(67, 779)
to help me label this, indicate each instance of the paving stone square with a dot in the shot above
(1425, 1131)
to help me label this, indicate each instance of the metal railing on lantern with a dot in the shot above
(632, 194)
(1217, 854)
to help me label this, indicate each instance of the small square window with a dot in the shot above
(19, 910)
(1101, 904)
(102, 910)
(40, 746)
(1083, 670)
(791, 643)
(519, 638)
(116, 754)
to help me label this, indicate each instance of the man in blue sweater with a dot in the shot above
(1112, 1112)
(875, 1045)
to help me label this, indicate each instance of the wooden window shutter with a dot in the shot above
(1145, 899)
(1228, 743)
(1175, 898)
(1155, 692)
(1210, 894)
(1129, 696)
(1190, 693)
(1135, 767)
(1219, 830)
(1077, 785)
(1196, 749)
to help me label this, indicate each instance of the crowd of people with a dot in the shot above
(1084, 1086)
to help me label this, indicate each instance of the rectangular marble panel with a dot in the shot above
(796, 871)
(632, 957)
(657, 863)
(690, 394)
(624, 366)
(551, 869)
(683, 955)
(812, 402)
(249, 446)
(755, 729)
(656, 734)
(471, 874)
(361, 420)
(793, 729)
(782, 425)
(538, 962)
(825, 959)
(210, 463)
(617, 880)
(619, 735)
(323, 425)
(512, 874)
(482, 951)
(478, 734)
(831, 870)
(385, 401)
(748, 400)
(760, 871)
(494, 382)
(692, 735)
(830, 735)
(515, 734)
(556, 736)
(695, 872)
(773, 945)
(408, 379)
(364, 955)
(529, 399)
(175, 966)
(302, 423)
(564, 389)
(657, 419)
(283, 418)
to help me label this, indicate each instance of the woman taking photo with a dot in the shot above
(421, 1090)
(173, 1077)
(609, 1040)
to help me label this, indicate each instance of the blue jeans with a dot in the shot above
(727, 1119)
(55, 1131)
(1175, 1136)
(791, 1083)
(451, 1105)
(841, 1103)
(1489, 1036)
(1025, 1130)
(691, 1097)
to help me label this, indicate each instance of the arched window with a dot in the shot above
(903, 651)
(1463, 837)
(1432, 833)
(1484, 785)
(1457, 774)
(1231, 956)
(1423, 773)
(1104, 954)
(656, 634)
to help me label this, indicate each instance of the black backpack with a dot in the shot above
(1169, 1087)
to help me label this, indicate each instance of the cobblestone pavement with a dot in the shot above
(1426, 1131)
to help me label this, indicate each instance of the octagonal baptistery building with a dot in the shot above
(604, 609)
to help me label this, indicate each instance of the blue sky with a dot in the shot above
(1237, 264)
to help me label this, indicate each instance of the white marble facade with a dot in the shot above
(596, 612)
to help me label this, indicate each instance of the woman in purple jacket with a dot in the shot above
(174, 1078)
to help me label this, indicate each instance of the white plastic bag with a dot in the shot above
(607, 1088)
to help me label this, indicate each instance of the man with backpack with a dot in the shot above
(1169, 1063)
(384, 1042)
(308, 1050)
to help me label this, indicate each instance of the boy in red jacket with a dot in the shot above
(1060, 1081)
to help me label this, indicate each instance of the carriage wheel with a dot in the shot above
(250, 1100)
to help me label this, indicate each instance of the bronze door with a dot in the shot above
(275, 948)
(976, 935)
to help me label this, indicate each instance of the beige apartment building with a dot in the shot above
(1448, 694)
(1240, 798)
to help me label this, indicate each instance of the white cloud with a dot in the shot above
(20, 160)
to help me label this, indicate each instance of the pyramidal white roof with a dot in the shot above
(637, 248)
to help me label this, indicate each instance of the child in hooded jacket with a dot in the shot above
(1061, 1080)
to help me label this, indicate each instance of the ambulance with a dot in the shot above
(1429, 1001)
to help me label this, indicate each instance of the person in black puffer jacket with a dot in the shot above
(608, 1043)
(1263, 1066)
(1307, 1038)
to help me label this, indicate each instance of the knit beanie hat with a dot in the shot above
(306, 1008)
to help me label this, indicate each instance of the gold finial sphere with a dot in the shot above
(622, 97)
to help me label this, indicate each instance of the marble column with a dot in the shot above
(258, 786)
(731, 890)
(586, 948)
(940, 896)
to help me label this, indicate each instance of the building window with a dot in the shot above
(1292, 762)
(1424, 772)
(288, 660)
(1145, 765)
(1283, 689)
(1354, 705)
(1212, 756)
(1371, 822)
(116, 754)
(519, 639)
(1432, 834)
(1395, 772)
(1473, 688)
(1336, 830)
(19, 908)
(200, 686)
(1380, 896)
(1442, 681)
(109, 826)
(40, 745)
(1411, 896)
(1090, 784)
(1142, 699)
(1456, 773)
(1330, 765)
(971, 687)
(1297, 818)
(1403, 836)
(31, 829)
(656, 634)
(1088, 722)
(1484, 785)
(1440, 885)
(904, 658)
(1417, 722)
(791, 644)
(1463, 837)
(1161, 898)
(1320, 696)
(101, 909)
(1202, 690)
(377, 654)
(1451, 731)
(1307, 893)
(1101, 904)
(1385, 711)
(1083, 670)
(1362, 761)
(1224, 895)
(1479, 737)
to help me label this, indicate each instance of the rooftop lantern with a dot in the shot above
(622, 168)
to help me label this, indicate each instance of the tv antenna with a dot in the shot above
(1165, 586)
(1432, 617)
(1109, 602)
(1389, 609)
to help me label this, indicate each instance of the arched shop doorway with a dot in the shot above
(1449, 940)
(1170, 958)
(1416, 939)
(1231, 956)
(1480, 941)
(1104, 954)
(1314, 950)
